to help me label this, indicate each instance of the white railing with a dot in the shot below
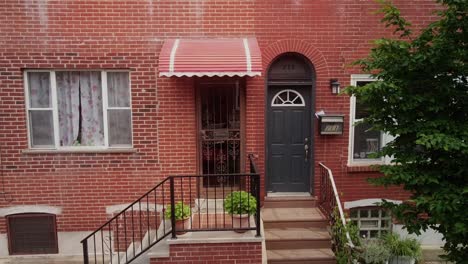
(329, 199)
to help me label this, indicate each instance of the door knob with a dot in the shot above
(306, 148)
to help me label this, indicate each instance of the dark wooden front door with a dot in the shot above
(289, 146)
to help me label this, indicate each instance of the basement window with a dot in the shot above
(373, 222)
(32, 234)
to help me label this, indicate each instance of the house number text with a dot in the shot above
(332, 128)
(288, 67)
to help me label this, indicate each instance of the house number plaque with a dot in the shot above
(331, 124)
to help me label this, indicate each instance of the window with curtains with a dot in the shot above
(78, 109)
(363, 141)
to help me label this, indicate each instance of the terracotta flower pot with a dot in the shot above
(240, 221)
(181, 225)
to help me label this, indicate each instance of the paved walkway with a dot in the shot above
(42, 260)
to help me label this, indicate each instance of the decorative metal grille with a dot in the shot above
(220, 134)
(32, 234)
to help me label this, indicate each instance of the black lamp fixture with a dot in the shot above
(335, 86)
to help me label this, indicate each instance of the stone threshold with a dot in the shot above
(215, 237)
(43, 259)
(288, 194)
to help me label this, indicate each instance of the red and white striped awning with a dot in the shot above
(210, 57)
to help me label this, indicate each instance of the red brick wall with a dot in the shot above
(213, 253)
(128, 35)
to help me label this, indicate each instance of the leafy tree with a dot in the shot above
(421, 98)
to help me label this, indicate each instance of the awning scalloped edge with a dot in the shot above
(209, 74)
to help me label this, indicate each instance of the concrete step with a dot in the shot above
(290, 202)
(116, 256)
(299, 256)
(297, 238)
(293, 218)
(132, 250)
(149, 237)
(296, 231)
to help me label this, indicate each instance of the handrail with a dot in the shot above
(337, 201)
(133, 221)
(135, 229)
(255, 190)
(126, 208)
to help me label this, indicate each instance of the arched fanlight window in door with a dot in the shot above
(288, 97)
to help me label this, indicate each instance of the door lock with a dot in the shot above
(306, 148)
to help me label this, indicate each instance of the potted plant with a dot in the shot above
(182, 216)
(240, 205)
(374, 251)
(404, 251)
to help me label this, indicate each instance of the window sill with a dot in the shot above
(74, 151)
(362, 168)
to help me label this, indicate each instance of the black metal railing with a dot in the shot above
(145, 222)
(327, 199)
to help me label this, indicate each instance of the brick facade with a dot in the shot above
(232, 253)
(129, 35)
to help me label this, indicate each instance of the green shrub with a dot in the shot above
(343, 253)
(375, 252)
(402, 247)
(182, 211)
(240, 202)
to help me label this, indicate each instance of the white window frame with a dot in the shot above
(54, 108)
(384, 137)
(289, 91)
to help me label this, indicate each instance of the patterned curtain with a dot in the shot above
(80, 108)
(68, 84)
(92, 127)
(39, 91)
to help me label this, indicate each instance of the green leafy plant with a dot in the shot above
(240, 202)
(375, 251)
(344, 254)
(182, 211)
(409, 247)
(420, 97)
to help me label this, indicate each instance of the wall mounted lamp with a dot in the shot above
(335, 86)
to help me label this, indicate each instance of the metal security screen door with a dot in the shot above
(220, 133)
(289, 125)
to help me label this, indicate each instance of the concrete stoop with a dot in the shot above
(296, 231)
(162, 250)
(430, 255)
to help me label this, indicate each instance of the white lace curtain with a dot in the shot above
(80, 108)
